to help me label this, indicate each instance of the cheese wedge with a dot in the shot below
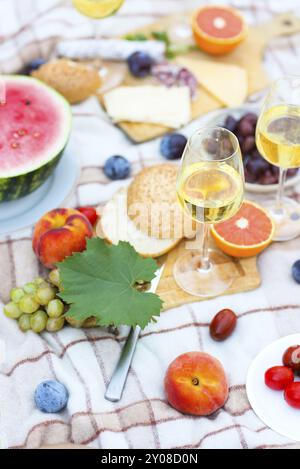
(115, 226)
(227, 83)
(170, 107)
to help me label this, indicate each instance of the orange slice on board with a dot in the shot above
(218, 29)
(246, 234)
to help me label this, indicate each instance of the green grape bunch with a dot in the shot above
(36, 305)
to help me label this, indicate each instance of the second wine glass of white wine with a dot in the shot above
(278, 140)
(210, 189)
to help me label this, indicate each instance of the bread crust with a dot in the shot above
(115, 226)
(153, 206)
(75, 81)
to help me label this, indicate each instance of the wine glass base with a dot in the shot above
(287, 222)
(205, 283)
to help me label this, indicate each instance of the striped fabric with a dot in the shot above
(84, 359)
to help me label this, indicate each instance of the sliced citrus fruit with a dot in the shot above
(218, 29)
(97, 8)
(246, 234)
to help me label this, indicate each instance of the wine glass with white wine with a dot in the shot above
(210, 189)
(97, 8)
(278, 140)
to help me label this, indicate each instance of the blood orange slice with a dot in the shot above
(218, 29)
(246, 234)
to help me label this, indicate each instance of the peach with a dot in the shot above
(59, 234)
(196, 384)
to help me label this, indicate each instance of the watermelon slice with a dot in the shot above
(35, 123)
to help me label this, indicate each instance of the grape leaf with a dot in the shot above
(100, 282)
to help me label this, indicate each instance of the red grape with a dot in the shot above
(245, 128)
(248, 144)
(251, 117)
(223, 325)
(230, 123)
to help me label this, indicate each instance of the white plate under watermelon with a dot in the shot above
(25, 212)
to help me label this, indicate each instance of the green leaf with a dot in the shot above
(136, 37)
(172, 49)
(178, 49)
(100, 282)
(161, 36)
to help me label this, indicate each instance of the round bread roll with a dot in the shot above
(153, 207)
(116, 226)
(75, 81)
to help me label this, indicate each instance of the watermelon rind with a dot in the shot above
(13, 188)
(22, 183)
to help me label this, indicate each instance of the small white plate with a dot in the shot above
(25, 212)
(219, 119)
(270, 405)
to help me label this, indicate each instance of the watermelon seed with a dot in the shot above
(27, 103)
(15, 145)
(22, 132)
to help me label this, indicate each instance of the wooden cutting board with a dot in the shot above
(246, 278)
(248, 55)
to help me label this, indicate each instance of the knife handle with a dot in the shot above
(116, 386)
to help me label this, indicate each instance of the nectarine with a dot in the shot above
(196, 384)
(59, 234)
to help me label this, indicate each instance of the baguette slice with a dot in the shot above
(115, 226)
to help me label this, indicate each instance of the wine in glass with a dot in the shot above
(210, 189)
(97, 8)
(278, 140)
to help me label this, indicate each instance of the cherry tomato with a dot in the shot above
(90, 214)
(291, 358)
(292, 395)
(279, 377)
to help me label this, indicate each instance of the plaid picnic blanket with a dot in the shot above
(84, 359)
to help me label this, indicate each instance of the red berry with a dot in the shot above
(90, 214)
(292, 395)
(291, 358)
(279, 377)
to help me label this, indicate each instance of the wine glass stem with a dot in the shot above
(280, 192)
(205, 263)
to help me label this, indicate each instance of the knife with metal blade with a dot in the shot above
(116, 386)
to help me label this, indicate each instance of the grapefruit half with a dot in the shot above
(246, 234)
(218, 29)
